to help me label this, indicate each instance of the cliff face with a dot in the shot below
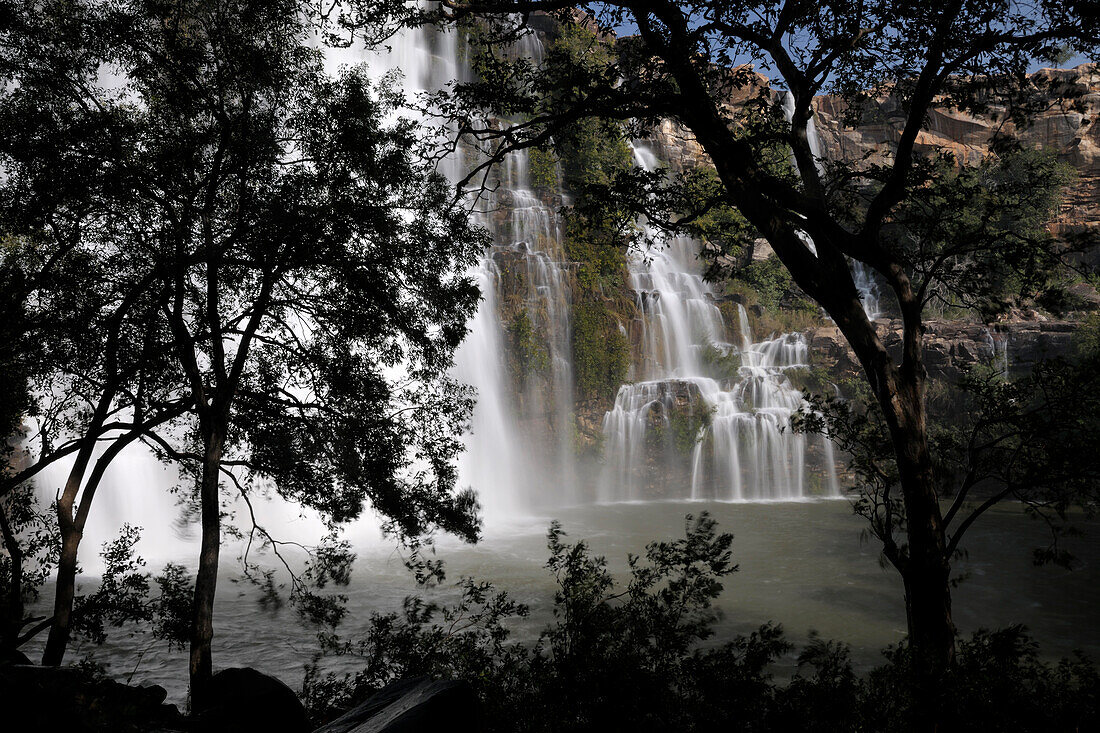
(1072, 134)
(952, 346)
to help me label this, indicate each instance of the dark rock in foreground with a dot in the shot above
(72, 700)
(413, 705)
(242, 699)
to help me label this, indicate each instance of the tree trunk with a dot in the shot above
(65, 592)
(206, 580)
(926, 568)
(13, 622)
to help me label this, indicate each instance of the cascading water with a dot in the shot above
(707, 419)
(864, 280)
(681, 424)
(518, 355)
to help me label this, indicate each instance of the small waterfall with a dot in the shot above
(708, 418)
(998, 349)
(862, 275)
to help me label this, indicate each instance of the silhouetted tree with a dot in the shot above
(307, 268)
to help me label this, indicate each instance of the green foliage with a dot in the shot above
(528, 352)
(720, 363)
(636, 653)
(814, 379)
(976, 237)
(1086, 340)
(1028, 439)
(768, 278)
(542, 169)
(601, 353)
(721, 227)
(600, 254)
(997, 683)
(592, 150)
(683, 426)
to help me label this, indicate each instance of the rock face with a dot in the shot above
(1074, 135)
(952, 346)
(411, 706)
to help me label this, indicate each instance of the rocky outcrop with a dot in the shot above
(1071, 133)
(410, 706)
(952, 346)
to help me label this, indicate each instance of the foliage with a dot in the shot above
(31, 543)
(527, 352)
(719, 362)
(976, 237)
(770, 280)
(122, 591)
(720, 227)
(601, 353)
(599, 251)
(635, 653)
(695, 64)
(682, 426)
(1025, 438)
(542, 169)
(592, 150)
(997, 683)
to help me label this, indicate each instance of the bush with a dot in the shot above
(629, 655)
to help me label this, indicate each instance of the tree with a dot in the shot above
(87, 348)
(309, 268)
(686, 64)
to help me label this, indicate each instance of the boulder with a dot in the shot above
(411, 706)
(78, 701)
(243, 699)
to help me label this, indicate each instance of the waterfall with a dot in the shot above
(519, 354)
(708, 419)
(702, 418)
(998, 349)
(862, 276)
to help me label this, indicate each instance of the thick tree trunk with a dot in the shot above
(926, 572)
(925, 567)
(206, 580)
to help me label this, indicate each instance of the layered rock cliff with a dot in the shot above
(1073, 134)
